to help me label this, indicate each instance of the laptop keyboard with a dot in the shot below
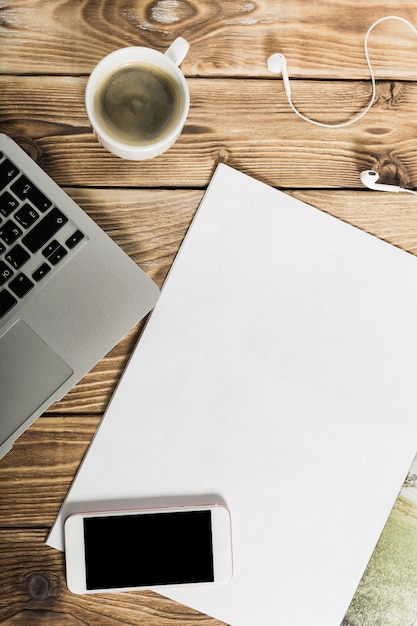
(35, 235)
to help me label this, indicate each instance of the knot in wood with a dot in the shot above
(170, 11)
(222, 155)
(39, 586)
(31, 147)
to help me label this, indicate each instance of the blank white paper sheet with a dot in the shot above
(278, 374)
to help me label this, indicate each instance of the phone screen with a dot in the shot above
(148, 549)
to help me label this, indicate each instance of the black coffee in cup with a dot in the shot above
(137, 103)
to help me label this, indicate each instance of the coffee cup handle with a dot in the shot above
(178, 50)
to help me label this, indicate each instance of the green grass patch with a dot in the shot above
(387, 593)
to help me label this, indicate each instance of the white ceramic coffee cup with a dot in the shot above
(168, 62)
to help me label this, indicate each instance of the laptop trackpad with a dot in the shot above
(30, 371)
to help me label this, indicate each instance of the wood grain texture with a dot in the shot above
(263, 137)
(321, 40)
(36, 474)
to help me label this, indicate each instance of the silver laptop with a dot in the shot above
(68, 293)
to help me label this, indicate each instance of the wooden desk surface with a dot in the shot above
(239, 115)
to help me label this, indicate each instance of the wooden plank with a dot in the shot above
(37, 473)
(245, 123)
(33, 591)
(322, 39)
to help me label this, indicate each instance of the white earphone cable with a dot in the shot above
(371, 73)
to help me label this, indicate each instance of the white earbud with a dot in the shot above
(369, 178)
(278, 63)
(275, 62)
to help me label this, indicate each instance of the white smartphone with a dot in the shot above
(148, 548)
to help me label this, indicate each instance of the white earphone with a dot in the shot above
(277, 63)
(369, 178)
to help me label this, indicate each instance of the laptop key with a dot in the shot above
(75, 238)
(57, 255)
(8, 171)
(8, 203)
(21, 285)
(17, 256)
(41, 272)
(9, 232)
(25, 189)
(44, 230)
(5, 272)
(26, 216)
(7, 302)
(54, 252)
